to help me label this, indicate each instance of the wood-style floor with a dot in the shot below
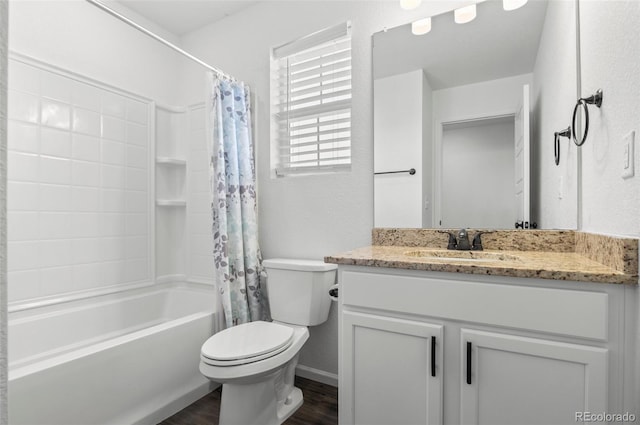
(320, 407)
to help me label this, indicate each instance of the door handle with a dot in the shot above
(469, 363)
(433, 356)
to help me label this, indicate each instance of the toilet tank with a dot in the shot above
(299, 290)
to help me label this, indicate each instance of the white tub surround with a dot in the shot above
(130, 357)
(4, 20)
(79, 185)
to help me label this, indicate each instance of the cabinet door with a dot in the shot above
(513, 380)
(391, 371)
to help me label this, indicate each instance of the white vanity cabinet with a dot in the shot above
(422, 347)
(510, 379)
(391, 359)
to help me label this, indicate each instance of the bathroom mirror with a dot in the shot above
(453, 109)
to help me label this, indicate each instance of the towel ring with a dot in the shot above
(595, 99)
(556, 142)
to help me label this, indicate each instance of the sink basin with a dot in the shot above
(461, 255)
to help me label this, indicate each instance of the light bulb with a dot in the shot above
(465, 14)
(410, 4)
(421, 26)
(513, 4)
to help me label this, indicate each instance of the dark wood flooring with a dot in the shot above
(320, 407)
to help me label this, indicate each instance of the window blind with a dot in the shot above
(311, 102)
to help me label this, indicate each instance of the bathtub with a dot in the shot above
(127, 358)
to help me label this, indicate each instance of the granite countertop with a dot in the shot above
(560, 255)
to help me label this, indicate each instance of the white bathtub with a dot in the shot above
(118, 359)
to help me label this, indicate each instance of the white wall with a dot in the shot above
(553, 96)
(610, 60)
(74, 35)
(485, 99)
(398, 145)
(478, 175)
(311, 216)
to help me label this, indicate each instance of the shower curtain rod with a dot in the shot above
(155, 36)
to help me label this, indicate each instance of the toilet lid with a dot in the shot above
(246, 343)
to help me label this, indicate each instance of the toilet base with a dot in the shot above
(256, 404)
(289, 407)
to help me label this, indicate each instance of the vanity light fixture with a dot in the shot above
(465, 14)
(410, 4)
(513, 4)
(421, 26)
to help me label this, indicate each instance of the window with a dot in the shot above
(311, 103)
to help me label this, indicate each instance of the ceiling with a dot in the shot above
(496, 44)
(182, 16)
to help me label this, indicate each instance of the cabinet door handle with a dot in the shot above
(469, 363)
(433, 356)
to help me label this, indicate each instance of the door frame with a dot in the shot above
(438, 129)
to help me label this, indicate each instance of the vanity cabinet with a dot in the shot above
(432, 348)
(392, 359)
(510, 379)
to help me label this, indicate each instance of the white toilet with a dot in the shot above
(256, 361)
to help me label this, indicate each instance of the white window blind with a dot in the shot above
(311, 102)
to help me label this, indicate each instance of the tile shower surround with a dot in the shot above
(78, 184)
(200, 258)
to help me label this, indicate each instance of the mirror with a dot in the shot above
(473, 109)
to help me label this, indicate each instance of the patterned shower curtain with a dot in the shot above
(239, 275)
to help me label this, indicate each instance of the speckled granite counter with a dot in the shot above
(546, 254)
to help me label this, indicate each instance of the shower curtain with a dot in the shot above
(239, 275)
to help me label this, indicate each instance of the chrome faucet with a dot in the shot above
(463, 241)
(452, 239)
(460, 241)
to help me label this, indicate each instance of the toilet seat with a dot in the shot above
(246, 343)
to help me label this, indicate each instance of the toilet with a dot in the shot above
(255, 362)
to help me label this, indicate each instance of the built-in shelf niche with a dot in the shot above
(171, 202)
(171, 190)
(171, 181)
(165, 160)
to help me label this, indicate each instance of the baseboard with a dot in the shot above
(317, 375)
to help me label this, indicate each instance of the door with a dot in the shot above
(514, 380)
(477, 173)
(522, 160)
(391, 371)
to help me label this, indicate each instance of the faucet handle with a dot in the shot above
(463, 240)
(476, 245)
(452, 244)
